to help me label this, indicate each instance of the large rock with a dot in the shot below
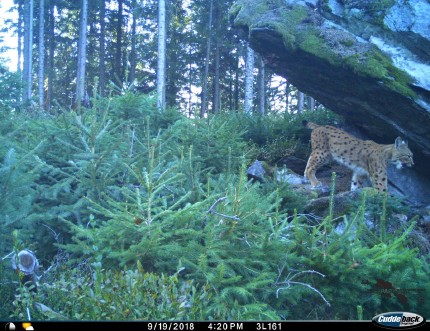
(368, 60)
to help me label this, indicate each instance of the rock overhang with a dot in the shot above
(355, 65)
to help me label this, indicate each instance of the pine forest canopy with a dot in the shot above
(204, 58)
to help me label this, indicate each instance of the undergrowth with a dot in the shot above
(136, 214)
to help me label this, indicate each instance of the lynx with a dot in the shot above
(365, 158)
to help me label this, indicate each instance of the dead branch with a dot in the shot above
(212, 210)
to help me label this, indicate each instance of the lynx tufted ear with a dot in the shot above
(399, 142)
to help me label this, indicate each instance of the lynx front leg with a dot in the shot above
(378, 175)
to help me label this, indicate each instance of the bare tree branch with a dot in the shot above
(288, 282)
(212, 210)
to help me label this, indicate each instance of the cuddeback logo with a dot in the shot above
(398, 320)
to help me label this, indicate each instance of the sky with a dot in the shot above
(9, 39)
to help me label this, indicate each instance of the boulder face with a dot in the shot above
(368, 60)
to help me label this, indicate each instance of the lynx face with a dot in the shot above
(402, 155)
(364, 157)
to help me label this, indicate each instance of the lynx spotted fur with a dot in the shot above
(364, 157)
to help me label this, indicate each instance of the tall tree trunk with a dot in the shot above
(217, 77)
(28, 50)
(41, 52)
(132, 74)
(287, 96)
(230, 91)
(236, 84)
(217, 59)
(230, 85)
(161, 66)
(300, 102)
(19, 46)
(249, 79)
(261, 86)
(311, 103)
(190, 78)
(50, 64)
(118, 58)
(172, 71)
(82, 56)
(206, 74)
(102, 64)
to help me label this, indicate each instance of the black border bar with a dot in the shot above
(191, 325)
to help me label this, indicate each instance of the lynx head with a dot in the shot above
(402, 155)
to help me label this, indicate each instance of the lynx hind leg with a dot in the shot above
(315, 161)
(357, 180)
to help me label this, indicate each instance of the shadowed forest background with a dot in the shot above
(128, 179)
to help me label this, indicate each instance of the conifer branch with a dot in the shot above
(48, 311)
(212, 210)
(81, 126)
(84, 143)
(103, 131)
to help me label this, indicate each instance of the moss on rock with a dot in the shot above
(302, 29)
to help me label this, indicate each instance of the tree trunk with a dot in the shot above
(230, 91)
(118, 58)
(50, 64)
(249, 80)
(82, 48)
(28, 50)
(217, 58)
(300, 101)
(41, 52)
(236, 84)
(287, 96)
(19, 46)
(161, 66)
(206, 74)
(190, 79)
(173, 72)
(132, 74)
(216, 78)
(311, 103)
(261, 87)
(102, 64)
